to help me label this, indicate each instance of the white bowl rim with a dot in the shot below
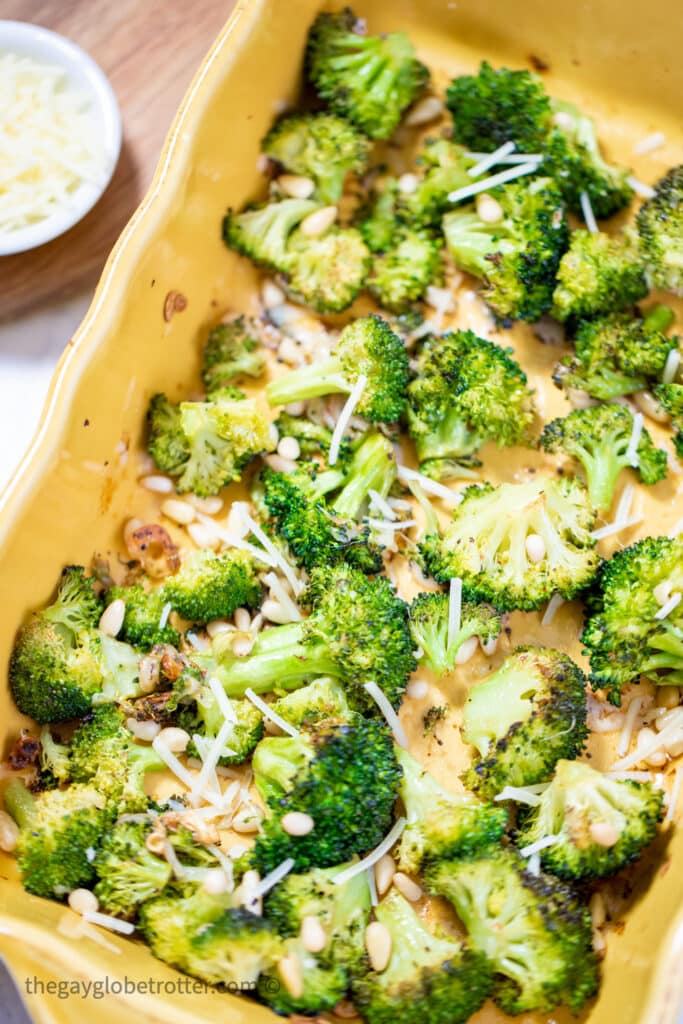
(53, 46)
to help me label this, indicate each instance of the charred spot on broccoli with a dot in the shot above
(209, 586)
(429, 625)
(660, 227)
(232, 351)
(598, 274)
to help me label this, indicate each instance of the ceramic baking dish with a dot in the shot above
(75, 487)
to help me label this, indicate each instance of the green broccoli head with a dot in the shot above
(441, 824)
(128, 873)
(322, 985)
(232, 351)
(367, 347)
(617, 354)
(518, 257)
(491, 543)
(372, 467)
(622, 636)
(344, 776)
(599, 437)
(523, 718)
(429, 977)
(327, 272)
(401, 275)
(444, 170)
(210, 586)
(429, 625)
(671, 398)
(320, 700)
(534, 931)
(145, 611)
(204, 719)
(314, 438)
(378, 218)
(600, 824)
(206, 445)
(323, 147)
(54, 760)
(369, 80)
(263, 233)
(171, 921)
(59, 832)
(598, 274)
(660, 227)
(466, 391)
(497, 106)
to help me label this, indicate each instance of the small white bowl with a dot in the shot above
(83, 74)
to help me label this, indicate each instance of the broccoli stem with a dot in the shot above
(280, 660)
(450, 438)
(602, 467)
(326, 377)
(372, 469)
(19, 803)
(659, 318)
(670, 647)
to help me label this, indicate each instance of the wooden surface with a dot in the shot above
(150, 50)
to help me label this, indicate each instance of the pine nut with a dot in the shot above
(424, 111)
(203, 536)
(112, 618)
(296, 823)
(417, 689)
(562, 119)
(407, 887)
(580, 399)
(378, 945)
(318, 222)
(489, 209)
(675, 749)
(292, 975)
(252, 903)
(408, 183)
(242, 645)
(175, 739)
(296, 185)
(650, 407)
(662, 592)
(289, 448)
(271, 295)
(668, 697)
(219, 626)
(149, 674)
(295, 408)
(603, 833)
(242, 618)
(247, 819)
(385, 869)
(466, 650)
(313, 934)
(83, 901)
(145, 731)
(535, 548)
(489, 648)
(209, 506)
(278, 464)
(274, 612)
(156, 843)
(180, 512)
(289, 352)
(9, 832)
(215, 882)
(158, 484)
(658, 758)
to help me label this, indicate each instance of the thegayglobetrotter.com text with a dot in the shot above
(101, 988)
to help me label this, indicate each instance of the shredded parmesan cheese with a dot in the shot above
(588, 215)
(165, 612)
(383, 524)
(521, 794)
(667, 608)
(114, 924)
(269, 713)
(384, 704)
(372, 886)
(490, 159)
(625, 504)
(277, 559)
(511, 158)
(454, 609)
(629, 724)
(649, 143)
(485, 184)
(553, 606)
(429, 486)
(640, 188)
(381, 505)
(540, 844)
(671, 366)
(371, 859)
(344, 418)
(607, 531)
(634, 441)
(272, 879)
(671, 733)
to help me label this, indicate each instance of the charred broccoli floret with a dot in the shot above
(600, 824)
(441, 824)
(345, 776)
(143, 617)
(401, 275)
(431, 977)
(466, 391)
(598, 274)
(206, 445)
(321, 699)
(323, 147)
(518, 257)
(600, 439)
(357, 633)
(128, 872)
(369, 80)
(617, 354)
(429, 625)
(204, 719)
(366, 347)
(233, 350)
(523, 718)
(623, 637)
(533, 929)
(210, 586)
(498, 106)
(660, 227)
(671, 398)
(488, 544)
(59, 830)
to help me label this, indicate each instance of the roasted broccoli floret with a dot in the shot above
(262, 233)
(498, 106)
(441, 824)
(172, 921)
(61, 662)
(431, 977)
(369, 80)
(617, 354)
(533, 929)
(466, 391)
(493, 543)
(142, 622)
(321, 699)
(59, 830)
(671, 398)
(600, 439)
(429, 625)
(206, 445)
(600, 824)
(401, 275)
(523, 718)
(54, 760)
(210, 586)
(233, 350)
(444, 170)
(128, 872)
(204, 719)
(598, 274)
(660, 227)
(517, 257)
(366, 347)
(357, 633)
(623, 637)
(344, 775)
(323, 147)
(328, 271)
(378, 218)
(372, 468)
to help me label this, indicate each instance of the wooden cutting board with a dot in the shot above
(150, 50)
